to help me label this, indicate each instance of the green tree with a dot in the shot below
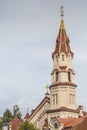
(0, 123)
(7, 115)
(16, 111)
(26, 126)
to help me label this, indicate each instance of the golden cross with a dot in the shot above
(47, 87)
(62, 11)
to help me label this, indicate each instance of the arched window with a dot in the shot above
(56, 126)
(53, 96)
(73, 100)
(69, 76)
(56, 99)
(57, 76)
(70, 98)
(63, 57)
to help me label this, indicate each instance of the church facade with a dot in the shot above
(57, 111)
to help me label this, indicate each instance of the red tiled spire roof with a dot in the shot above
(14, 123)
(27, 116)
(46, 125)
(62, 41)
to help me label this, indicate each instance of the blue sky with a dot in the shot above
(28, 31)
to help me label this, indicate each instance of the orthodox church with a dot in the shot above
(57, 111)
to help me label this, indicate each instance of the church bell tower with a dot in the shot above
(63, 87)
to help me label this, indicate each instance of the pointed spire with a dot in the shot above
(27, 114)
(62, 41)
(62, 26)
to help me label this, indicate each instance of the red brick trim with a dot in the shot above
(62, 109)
(63, 67)
(63, 83)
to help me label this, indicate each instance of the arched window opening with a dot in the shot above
(70, 98)
(56, 126)
(56, 58)
(69, 76)
(57, 76)
(56, 99)
(53, 96)
(63, 57)
(73, 100)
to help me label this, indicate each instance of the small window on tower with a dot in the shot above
(56, 58)
(70, 98)
(69, 76)
(73, 100)
(53, 96)
(63, 57)
(56, 99)
(57, 76)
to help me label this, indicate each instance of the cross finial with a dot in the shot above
(47, 87)
(62, 11)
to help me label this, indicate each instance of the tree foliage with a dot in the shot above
(0, 123)
(16, 111)
(26, 126)
(7, 115)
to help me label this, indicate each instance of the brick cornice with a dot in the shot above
(63, 67)
(61, 109)
(63, 83)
